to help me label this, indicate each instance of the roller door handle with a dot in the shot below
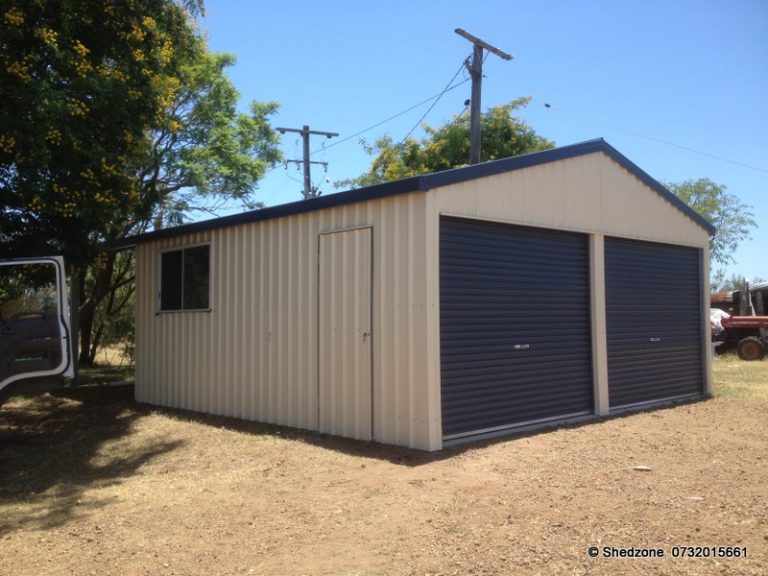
(522, 346)
(655, 339)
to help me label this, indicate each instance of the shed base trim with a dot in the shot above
(654, 403)
(511, 428)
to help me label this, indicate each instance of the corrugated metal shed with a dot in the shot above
(326, 314)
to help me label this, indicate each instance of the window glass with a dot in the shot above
(185, 279)
(170, 281)
(196, 277)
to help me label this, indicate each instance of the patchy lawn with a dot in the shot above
(736, 378)
(93, 483)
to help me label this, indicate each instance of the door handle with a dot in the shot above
(365, 336)
(655, 339)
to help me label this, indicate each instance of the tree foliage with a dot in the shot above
(115, 117)
(732, 219)
(110, 109)
(206, 149)
(81, 84)
(446, 147)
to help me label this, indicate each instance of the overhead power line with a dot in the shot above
(659, 140)
(434, 99)
(434, 103)
(409, 109)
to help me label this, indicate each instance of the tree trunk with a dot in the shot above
(102, 280)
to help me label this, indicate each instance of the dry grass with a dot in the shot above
(112, 356)
(736, 378)
(93, 483)
(111, 366)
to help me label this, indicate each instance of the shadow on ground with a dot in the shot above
(396, 454)
(53, 449)
(49, 453)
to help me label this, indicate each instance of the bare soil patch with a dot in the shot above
(93, 483)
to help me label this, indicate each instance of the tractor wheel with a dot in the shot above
(750, 348)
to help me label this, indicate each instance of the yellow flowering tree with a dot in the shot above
(81, 82)
(113, 114)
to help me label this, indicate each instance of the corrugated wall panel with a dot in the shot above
(654, 319)
(255, 354)
(585, 194)
(515, 325)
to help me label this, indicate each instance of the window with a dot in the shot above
(28, 289)
(185, 278)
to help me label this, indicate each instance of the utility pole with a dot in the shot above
(309, 190)
(475, 69)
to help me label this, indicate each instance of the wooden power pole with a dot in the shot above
(309, 190)
(475, 69)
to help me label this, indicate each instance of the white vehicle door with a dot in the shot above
(34, 322)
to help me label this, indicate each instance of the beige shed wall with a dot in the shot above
(255, 354)
(589, 193)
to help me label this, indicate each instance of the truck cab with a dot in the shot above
(35, 336)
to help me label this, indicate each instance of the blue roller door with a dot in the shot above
(514, 326)
(654, 321)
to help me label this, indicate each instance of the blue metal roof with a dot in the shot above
(423, 183)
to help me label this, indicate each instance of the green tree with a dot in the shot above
(446, 147)
(112, 320)
(81, 83)
(206, 149)
(732, 219)
(115, 116)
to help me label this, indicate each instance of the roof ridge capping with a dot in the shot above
(423, 183)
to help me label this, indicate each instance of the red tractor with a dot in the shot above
(748, 333)
(738, 320)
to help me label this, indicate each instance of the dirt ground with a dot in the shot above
(93, 483)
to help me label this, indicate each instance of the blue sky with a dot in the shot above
(689, 73)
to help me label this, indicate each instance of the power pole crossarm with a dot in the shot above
(309, 191)
(482, 44)
(476, 73)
